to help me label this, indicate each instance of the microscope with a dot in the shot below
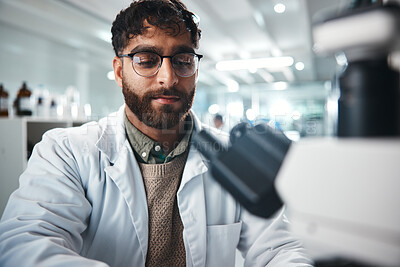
(341, 193)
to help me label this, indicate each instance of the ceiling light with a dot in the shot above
(251, 114)
(280, 85)
(299, 65)
(256, 63)
(279, 8)
(213, 109)
(233, 86)
(110, 75)
(253, 70)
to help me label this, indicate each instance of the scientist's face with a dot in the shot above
(164, 99)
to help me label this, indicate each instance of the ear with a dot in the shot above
(117, 65)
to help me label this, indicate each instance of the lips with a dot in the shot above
(166, 99)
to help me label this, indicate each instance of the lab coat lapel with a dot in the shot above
(125, 173)
(127, 176)
(191, 204)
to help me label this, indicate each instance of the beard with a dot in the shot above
(164, 117)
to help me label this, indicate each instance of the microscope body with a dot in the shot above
(341, 193)
(342, 196)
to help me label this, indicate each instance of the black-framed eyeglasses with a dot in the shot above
(147, 64)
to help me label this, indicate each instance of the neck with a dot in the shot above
(168, 138)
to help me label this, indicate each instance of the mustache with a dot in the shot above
(167, 92)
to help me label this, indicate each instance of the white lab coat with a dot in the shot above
(81, 202)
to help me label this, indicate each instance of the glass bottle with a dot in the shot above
(40, 107)
(3, 102)
(23, 101)
(53, 109)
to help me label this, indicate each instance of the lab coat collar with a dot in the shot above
(113, 136)
(113, 139)
(196, 163)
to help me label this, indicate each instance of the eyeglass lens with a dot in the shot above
(147, 63)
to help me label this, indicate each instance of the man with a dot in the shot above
(130, 190)
(218, 121)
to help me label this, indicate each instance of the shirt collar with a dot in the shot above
(149, 151)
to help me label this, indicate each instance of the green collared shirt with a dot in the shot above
(149, 151)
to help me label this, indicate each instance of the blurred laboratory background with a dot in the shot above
(259, 61)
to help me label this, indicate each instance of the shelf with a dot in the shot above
(17, 139)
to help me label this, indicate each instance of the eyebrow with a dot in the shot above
(159, 51)
(183, 49)
(145, 48)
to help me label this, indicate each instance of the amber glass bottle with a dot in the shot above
(3, 102)
(23, 101)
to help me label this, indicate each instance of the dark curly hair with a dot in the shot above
(168, 15)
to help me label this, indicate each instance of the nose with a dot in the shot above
(166, 75)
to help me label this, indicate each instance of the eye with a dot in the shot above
(184, 60)
(146, 60)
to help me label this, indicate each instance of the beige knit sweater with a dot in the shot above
(166, 247)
